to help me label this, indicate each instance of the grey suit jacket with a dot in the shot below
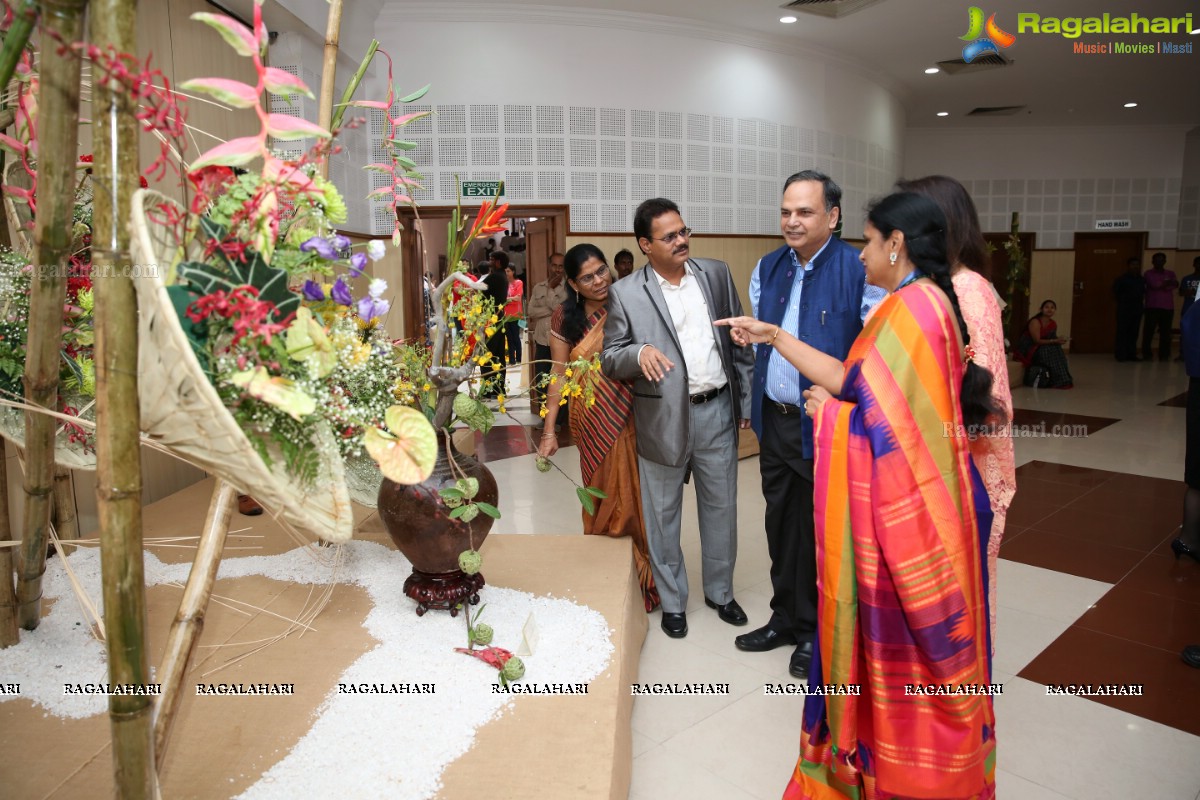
(637, 316)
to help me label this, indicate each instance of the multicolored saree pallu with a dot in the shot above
(902, 599)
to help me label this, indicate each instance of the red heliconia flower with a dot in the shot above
(489, 220)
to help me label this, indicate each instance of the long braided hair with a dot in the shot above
(924, 228)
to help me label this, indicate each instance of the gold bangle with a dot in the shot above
(549, 435)
(776, 336)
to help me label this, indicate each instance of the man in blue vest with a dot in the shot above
(814, 287)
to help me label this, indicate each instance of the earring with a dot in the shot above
(892, 258)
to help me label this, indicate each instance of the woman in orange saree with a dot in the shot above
(604, 429)
(902, 521)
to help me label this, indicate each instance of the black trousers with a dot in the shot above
(493, 385)
(1128, 321)
(1160, 319)
(787, 485)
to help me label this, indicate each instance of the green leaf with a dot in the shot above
(458, 512)
(468, 486)
(470, 512)
(417, 95)
(403, 145)
(450, 492)
(228, 274)
(474, 413)
(489, 509)
(407, 163)
(585, 500)
(594, 492)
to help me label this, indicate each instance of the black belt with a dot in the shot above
(782, 408)
(704, 397)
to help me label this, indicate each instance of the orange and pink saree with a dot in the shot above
(900, 516)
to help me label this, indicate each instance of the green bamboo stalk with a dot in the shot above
(351, 87)
(9, 634)
(333, 25)
(118, 466)
(58, 101)
(25, 17)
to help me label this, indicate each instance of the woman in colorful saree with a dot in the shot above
(902, 522)
(604, 430)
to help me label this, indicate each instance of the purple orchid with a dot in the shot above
(341, 243)
(321, 247)
(313, 292)
(341, 293)
(358, 263)
(371, 307)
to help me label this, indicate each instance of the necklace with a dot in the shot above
(912, 277)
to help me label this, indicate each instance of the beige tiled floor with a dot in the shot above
(744, 745)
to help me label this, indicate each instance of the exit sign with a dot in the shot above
(482, 188)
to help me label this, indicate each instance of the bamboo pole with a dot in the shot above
(24, 19)
(189, 620)
(58, 101)
(333, 26)
(66, 522)
(9, 634)
(118, 465)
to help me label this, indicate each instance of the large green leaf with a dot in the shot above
(229, 273)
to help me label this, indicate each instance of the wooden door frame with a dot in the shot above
(414, 312)
(1142, 236)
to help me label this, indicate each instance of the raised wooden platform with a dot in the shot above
(543, 747)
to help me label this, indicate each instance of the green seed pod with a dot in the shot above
(482, 634)
(543, 464)
(513, 670)
(469, 561)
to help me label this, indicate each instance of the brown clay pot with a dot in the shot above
(418, 520)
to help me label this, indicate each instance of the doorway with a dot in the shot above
(534, 233)
(1100, 258)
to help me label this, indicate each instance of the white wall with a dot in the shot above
(647, 108)
(1061, 179)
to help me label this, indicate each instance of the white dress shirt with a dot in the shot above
(694, 330)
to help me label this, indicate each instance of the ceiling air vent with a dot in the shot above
(829, 8)
(995, 111)
(956, 66)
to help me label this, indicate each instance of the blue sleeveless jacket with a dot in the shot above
(830, 309)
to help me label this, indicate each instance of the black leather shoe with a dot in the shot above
(731, 612)
(1191, 655)
(674, 625)
(764, 639)
(801, 660)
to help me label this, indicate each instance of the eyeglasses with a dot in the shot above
(682, 233)
(590, 278)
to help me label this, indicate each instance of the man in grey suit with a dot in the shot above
(691, 393)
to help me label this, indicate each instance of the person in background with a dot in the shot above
(1129, 290)
(497, 289)
(604, 429)
(967, 254)
(1160, 307)
(1040, 345)
(1188, 287)
(513, 311)
(901, 517)
(813, 286)
(545, 297)
(623, 262)
(1188, 541)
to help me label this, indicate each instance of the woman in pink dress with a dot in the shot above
(968, 257)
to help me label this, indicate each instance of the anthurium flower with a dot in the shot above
(307, 342)
(277, 391)
(405, 451)
(341, 293)
(358, 262)
(313, 292)
(376, 249)
(322, 247)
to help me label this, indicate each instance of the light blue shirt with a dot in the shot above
(783, 380)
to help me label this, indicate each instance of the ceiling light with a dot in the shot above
(932, 71)
(787, 20)
(943, 113)
(1131, 105)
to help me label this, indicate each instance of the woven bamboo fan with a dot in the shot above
(181, 410)
(12, 420)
